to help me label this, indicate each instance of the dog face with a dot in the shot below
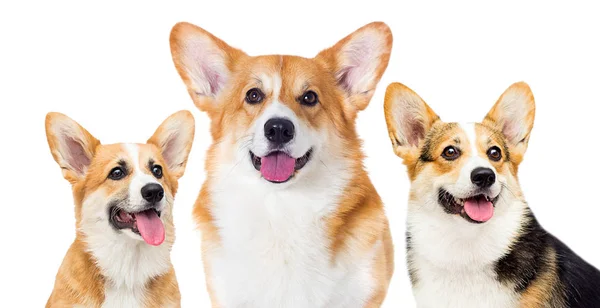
(122, 189)
(462, 169)
(274, 117)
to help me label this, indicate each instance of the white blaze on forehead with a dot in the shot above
(271, 84)
(475, 158)
(139, 178)
(469, 129)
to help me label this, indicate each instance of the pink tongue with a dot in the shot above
(277, 167)
(479, 209)
(150, 227)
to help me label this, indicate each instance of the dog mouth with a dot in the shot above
(279, 166)
(476, 209)
(146, 223)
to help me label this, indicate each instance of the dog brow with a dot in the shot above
(433, 138)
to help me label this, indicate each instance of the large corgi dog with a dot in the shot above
(123, 211)
(472, 240)
(288, 215)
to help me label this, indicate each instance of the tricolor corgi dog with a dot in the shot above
(288, 215)
(123, 211)
(472, 241)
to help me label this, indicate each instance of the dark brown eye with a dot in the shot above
(116, 173)
(157, 171)
(309, 98)
(494, 153)
(450, 153)
(254, 96)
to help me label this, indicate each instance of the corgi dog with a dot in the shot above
(288, 215)
(472, 240)
(123, 197)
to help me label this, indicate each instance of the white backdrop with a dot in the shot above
(108, 66)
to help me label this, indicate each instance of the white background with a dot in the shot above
(109, 67)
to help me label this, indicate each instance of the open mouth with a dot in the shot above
(278, 166)
(146, 223)
(476, 209)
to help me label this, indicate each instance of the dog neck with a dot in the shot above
(448, 241)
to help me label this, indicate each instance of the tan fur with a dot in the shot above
(423, 160)
(163, 291)
(544, 291)
(79, 280)
(359, 221)
(438, 134)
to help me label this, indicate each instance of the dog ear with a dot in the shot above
(203, 61)
(174, 138)
(408, 119)
(358, 62)
(513, 114)
(71, 145)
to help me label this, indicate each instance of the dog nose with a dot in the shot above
(152, 192)
(483, 177)
(279, 130)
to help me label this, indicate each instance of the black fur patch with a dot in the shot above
(528, 259)
(411, 271)
(580, 280)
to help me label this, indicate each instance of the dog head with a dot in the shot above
(123, 189)
(461, 169)
(274, 117)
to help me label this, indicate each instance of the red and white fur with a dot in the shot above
(118, 259)
(292, 223)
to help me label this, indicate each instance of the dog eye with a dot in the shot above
(494, 153)
(157, 171)
(309, 98)
(450, 153)
(254, 96)
(116, 173)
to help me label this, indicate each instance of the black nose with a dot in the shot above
(152, 192)
(483, 177)
(279, 130)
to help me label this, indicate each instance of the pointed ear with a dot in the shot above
(71, 145)
(174, 138)
(408, 118)
(513, 114)
(358, 62)
(203, 61)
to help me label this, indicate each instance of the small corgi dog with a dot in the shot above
(123, 211)
(288, 215)
(472, 241)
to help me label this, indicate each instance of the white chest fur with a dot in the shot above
(274, 247)
(454, 260)
(122, 297)
(127, 263)
(474, 288)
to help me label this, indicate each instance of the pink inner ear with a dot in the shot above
(512, 130)
(214, 80)
(358, 66)
(76, 156)
(169, 150)
(206, 66)
(414, 129)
